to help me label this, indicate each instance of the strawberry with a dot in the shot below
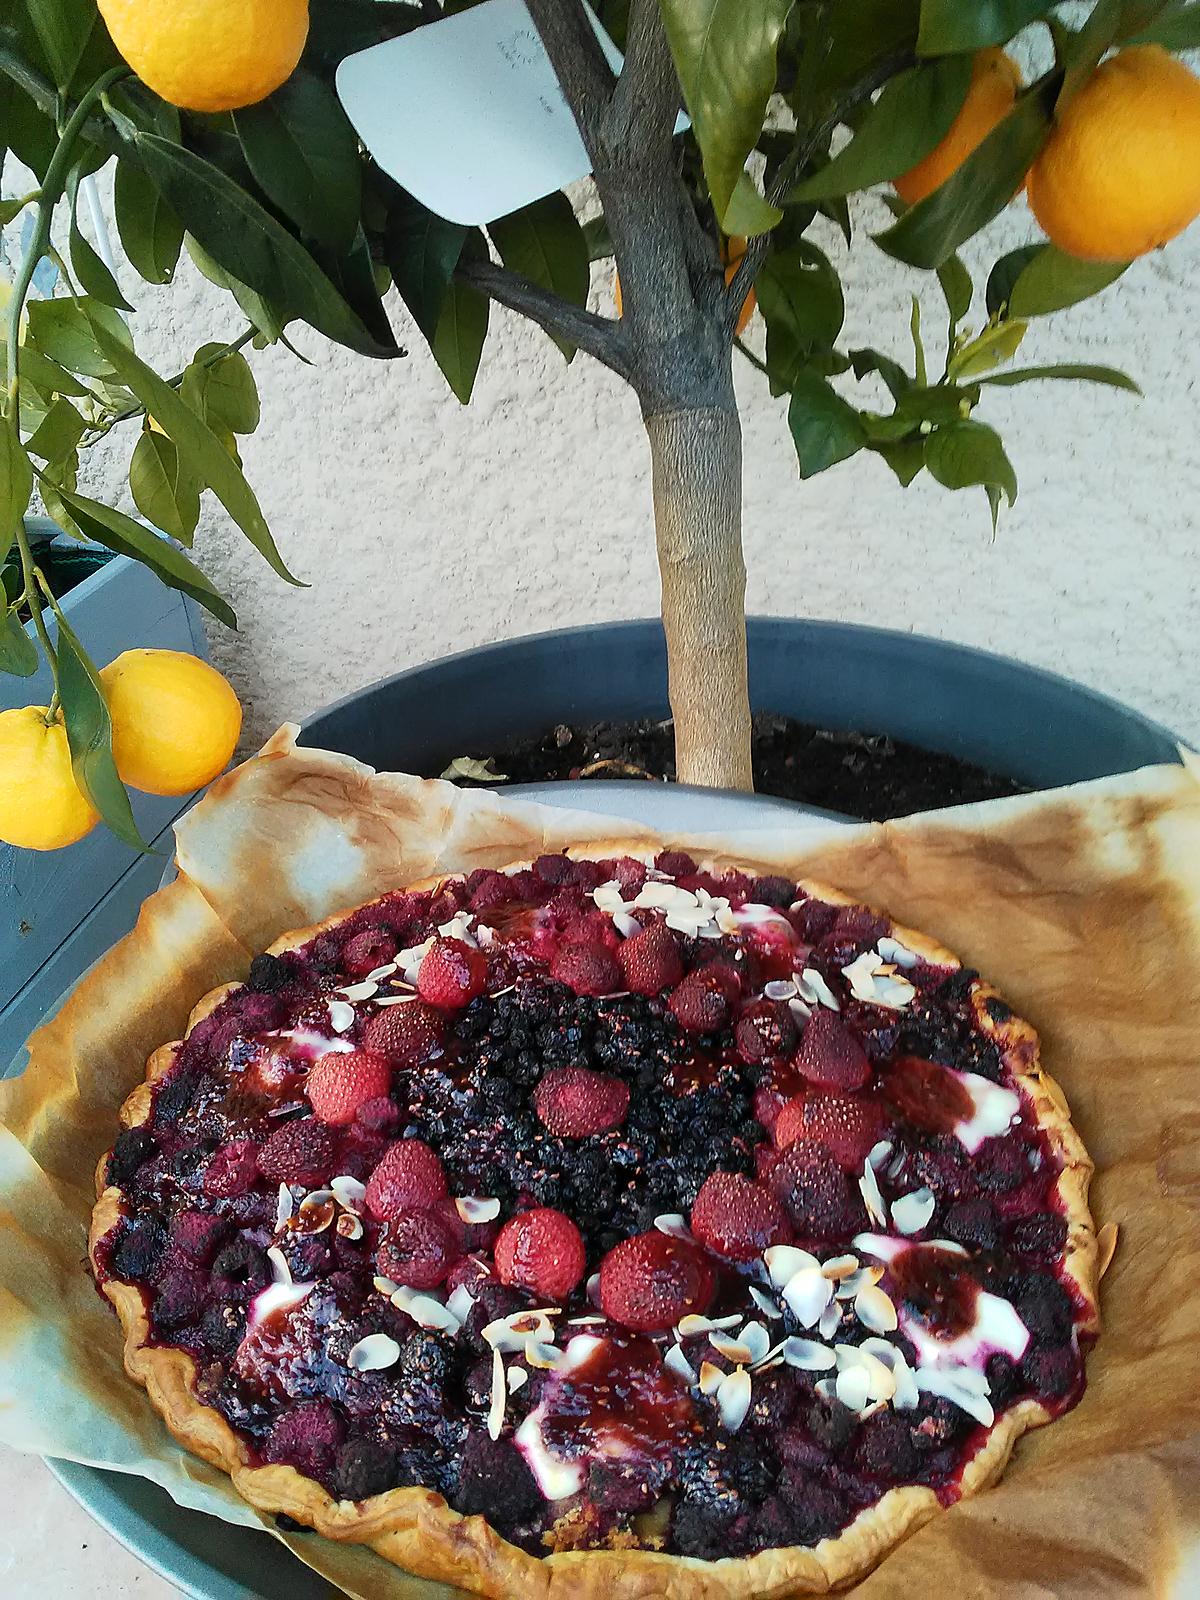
(764, 1030)
(848, 1127)
(418, 1249)
(542, 1251)
(588, 968)
(408, 1035)
(452, 974)
(409, 1177)
(338, 1083)
(373, 947)
(573, 1102)
(704, 1001)
(652, 1280)
(737, 1218)
(651, 961)
(298, 1152)
(830, 1055)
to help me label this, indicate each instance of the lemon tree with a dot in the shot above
(901, 125)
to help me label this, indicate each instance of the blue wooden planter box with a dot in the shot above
(60, 910)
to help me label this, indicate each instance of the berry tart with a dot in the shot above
(615, 1225)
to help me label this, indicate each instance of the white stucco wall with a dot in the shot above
(425, 527)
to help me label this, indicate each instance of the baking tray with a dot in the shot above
(212, 1560)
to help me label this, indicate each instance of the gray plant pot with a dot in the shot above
(1034, 726)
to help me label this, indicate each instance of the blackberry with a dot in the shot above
(1053, 1373)
(133, 1148)
(1039, 1238)
(1045, 1308)
(428, 1357)
(1004, 1380)
(884, 1447)
(139, 1249)
(626, 1487)
(364, 1467)
(493, 1481)
(804, 1512)
(973, 1223)
(830, 1424)
(702, 1530)
(242, 1263)
(268, 975)
(174, 1095)
(221, 1328)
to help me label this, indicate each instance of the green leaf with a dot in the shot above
(16, 484)
(118, 532)
(964, 454)
(18, 653)
(801, 300)
(892, 373)
(825, 429)
(201, 451)
(1087, 47)
(912, 114)
(957, 288)
(960, 25)
(998, 342)
(268, 320)
(544, 242)
(1051, 280)
(725, 54)
(11, 209)
(1081, 372)
(1178, 30)
(151, 234)
(303, 152)
(91, 273)
(64, 29)
(66, 332)
(598, 239)
(1003, 277)
(979, 190)
(422, 251)
(906, 457)
(163, 492)
(462, 325)
(222, 389)
(244, 239)
(89, 735)
(58, 434)
(748, 213)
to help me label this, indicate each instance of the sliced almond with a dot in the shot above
(495, 1423)
(316, 1213)
(808, 1355)
(285, 1208)
(396, 999)
(826, 1388)
(815, 990)
(853, 1387)
(545, 1357)
(780, 989)
(944, 1384)
(875, 1310)
(512, 1333)
(280, 1271)
(349, 1193)
(784, 1261)
(341, 1015)
(459, 1304)
(380, 973)
(765, 1304)
(628, 927)
(673, 1224)
(907, 1395)
(831, 1320)
(592, 1288)
(359, 991)
(585, 1322)
(692, 1324)
(373, 1354)
(756, 1339)
(733, 1398)
(857, 1281)
(425, 1311)
(517, 1379)
(710, 1377)
(474, 1208)
(912, 1212)
(839, 1267)
(868, 1186)
(892, 950)
(732, 1349)
(807, 1293)
(349, 1226)
(386, 1287)
(1106, 1247)
(680, 1365)
(879, 1152)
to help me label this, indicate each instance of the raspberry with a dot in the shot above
(541, 1251)
(470, 1272)
(768, 1103)
(701, 1003)
(773, 891)
(379, 1116)
(490, 890)
(573, 1102)
(408, 1035)
(373, 947)
(418, 1249)
(848, 1128)
(651, 960)
(675, 863)
(232, 1169)
(588, 968)
(338, 1084)
(409, 1176)
(816, 1192)
(307, 1437)
(181, 1298)
(298, 1152)
(649, 1282)
(830, 1055)
(765, 1030)
(198, 1235)
(737, 1217)
(554, 869)
(452, 974)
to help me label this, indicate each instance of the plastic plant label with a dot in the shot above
(467, 114)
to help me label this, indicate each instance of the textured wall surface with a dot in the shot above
(425, 527)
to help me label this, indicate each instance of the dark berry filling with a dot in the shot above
(608, 1212)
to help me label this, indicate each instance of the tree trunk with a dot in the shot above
(696, 455)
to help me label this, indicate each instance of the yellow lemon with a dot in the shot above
(209, 55)
(175, 720)
(993, 92)
(41, 806)
(1120, 174)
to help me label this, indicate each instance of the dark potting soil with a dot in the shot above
(866, 775)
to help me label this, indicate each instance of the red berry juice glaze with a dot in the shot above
(533, 1066)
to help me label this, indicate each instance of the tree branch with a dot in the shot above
(647, 96)
(596, 336)
(580, 64)
(797, 159)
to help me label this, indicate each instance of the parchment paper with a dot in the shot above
(1082, 905)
